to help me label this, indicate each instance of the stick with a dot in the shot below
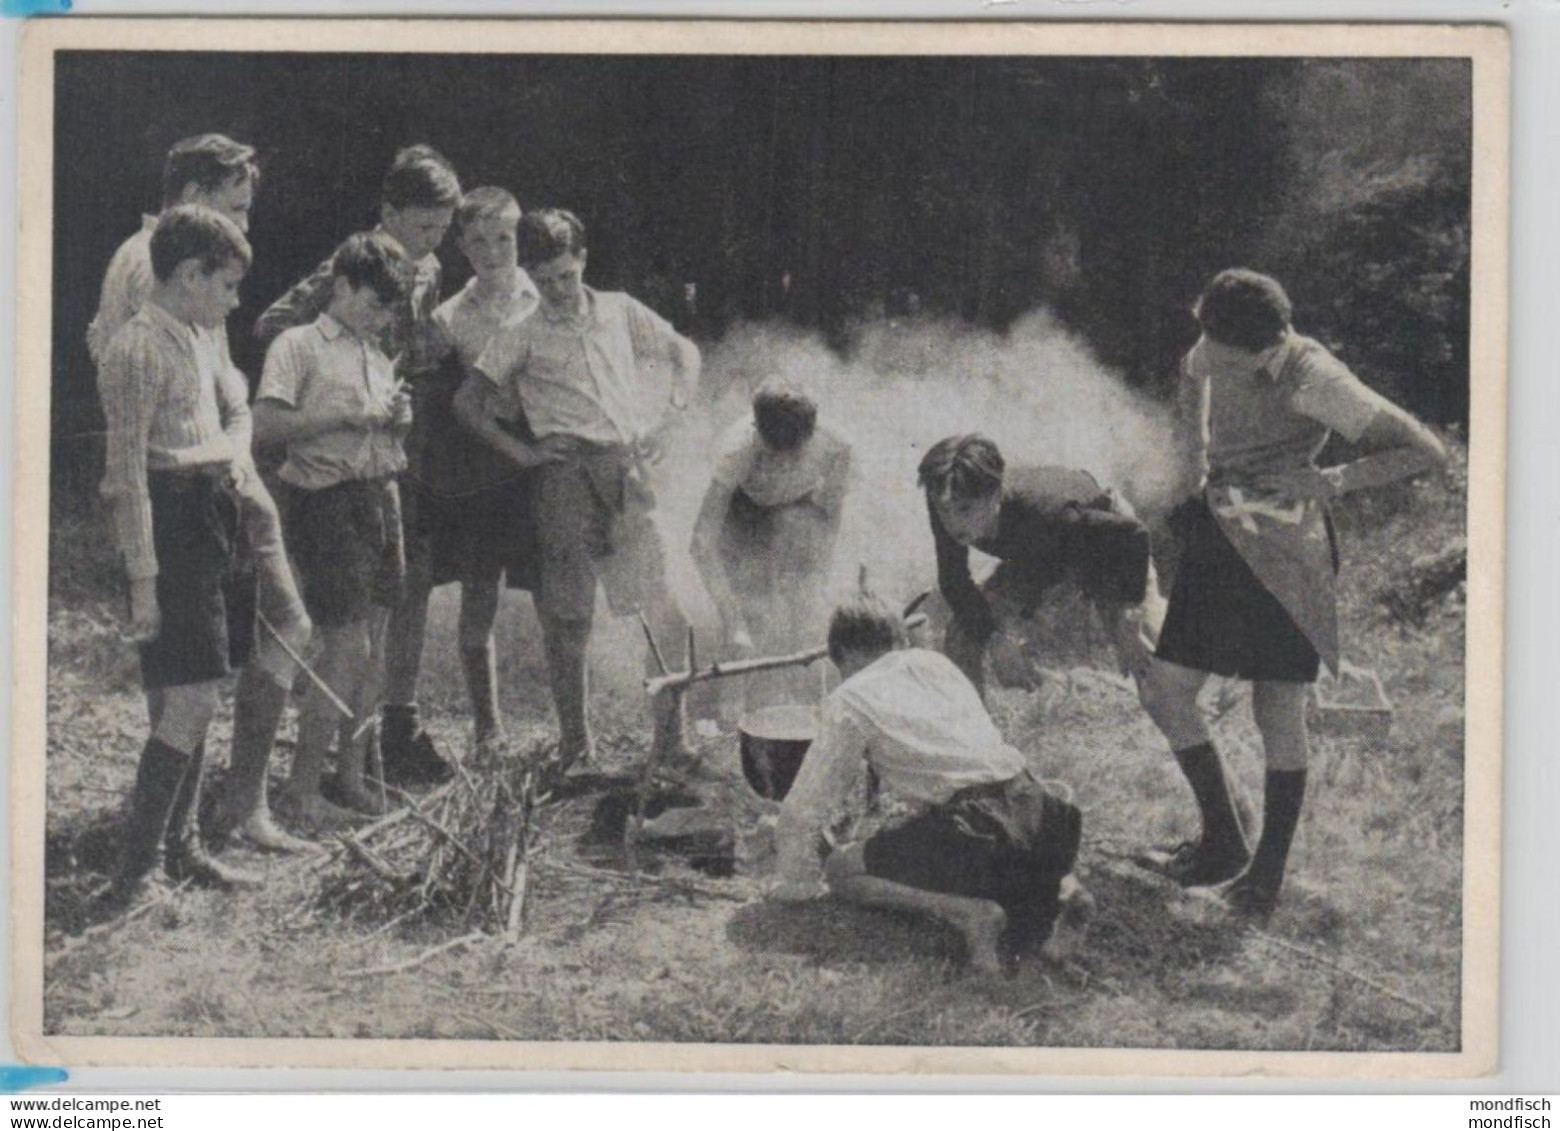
(1362, 979)
(723, 668)
(416, 960)
(372, 862)
(336, 701)
(655, 649)
(72, 945)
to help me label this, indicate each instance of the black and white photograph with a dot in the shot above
(704, 546)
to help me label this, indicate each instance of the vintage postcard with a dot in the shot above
(957, 548)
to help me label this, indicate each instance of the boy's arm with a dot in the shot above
(132, 382)
(302, 304)
(476, 406)
(284, 412)
(955, 583)
(704, 549)
(656, 342)
(826, 777)
(233, 403)
(1397, 446)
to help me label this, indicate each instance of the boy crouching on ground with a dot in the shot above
(583, 371)
(330, 396)
(992, 851)
(176, 431)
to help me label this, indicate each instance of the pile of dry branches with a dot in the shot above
(458, 855)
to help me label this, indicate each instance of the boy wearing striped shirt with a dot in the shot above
(218, 172)
(176, 438)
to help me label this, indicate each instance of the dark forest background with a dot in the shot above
(832, 192)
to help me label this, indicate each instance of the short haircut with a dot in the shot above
(484, 202)
(784, 415)
(547, 233)
(369, 259)
(866, 624)
(207, 160)
(963, 467)
(420, 177)
(1245, 309)
(193, 231)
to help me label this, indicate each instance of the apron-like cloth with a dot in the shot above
(1286, 543)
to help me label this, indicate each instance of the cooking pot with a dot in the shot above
(775, 740)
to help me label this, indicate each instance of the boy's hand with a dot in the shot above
(1303, 483)
(145, 615)
(401, 409)
(550, 449)
(370, 417)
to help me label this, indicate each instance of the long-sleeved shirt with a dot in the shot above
(325, 366)
(172, 400)
(1054, 522)
(918, 722)
(126, 284)
(592, 375)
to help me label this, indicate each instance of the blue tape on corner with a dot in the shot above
(20, 1077)
(21, 8)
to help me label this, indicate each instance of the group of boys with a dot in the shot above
(509, 433)
(368, 387)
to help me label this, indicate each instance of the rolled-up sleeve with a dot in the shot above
(1329, 393)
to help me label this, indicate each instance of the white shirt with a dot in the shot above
(918, 722)
(775, 478)
(322, 365)
(469, 319)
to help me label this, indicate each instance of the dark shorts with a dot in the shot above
(594, 521)
(346, 543)
(1011, 842)
(205, 588)
(1222, 619)
(483, 536)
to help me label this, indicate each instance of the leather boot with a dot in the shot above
(184, 858)
(152, 802)
(410, 756)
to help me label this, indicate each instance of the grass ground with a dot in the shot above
(1363, 954)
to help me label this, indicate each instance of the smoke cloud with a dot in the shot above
(1037, 390)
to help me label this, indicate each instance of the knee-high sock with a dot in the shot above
(1205, 774)
(1283, 795)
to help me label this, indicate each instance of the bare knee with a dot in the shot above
(1279, 711)
(186, 714)
(1169, 695)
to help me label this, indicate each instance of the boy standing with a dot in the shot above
(174, 444)
(586, 370)
(418, 200)
(330, 396)
(990, 851)
(1254, 597)
(482, 526)
(220, 173)
(1045, 525)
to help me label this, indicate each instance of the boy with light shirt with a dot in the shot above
(220, 173)
(175, 439)
(593, 373)
(1255, 596)
(330, 396)
(418, 200)
(988, 850)
(482, 527)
